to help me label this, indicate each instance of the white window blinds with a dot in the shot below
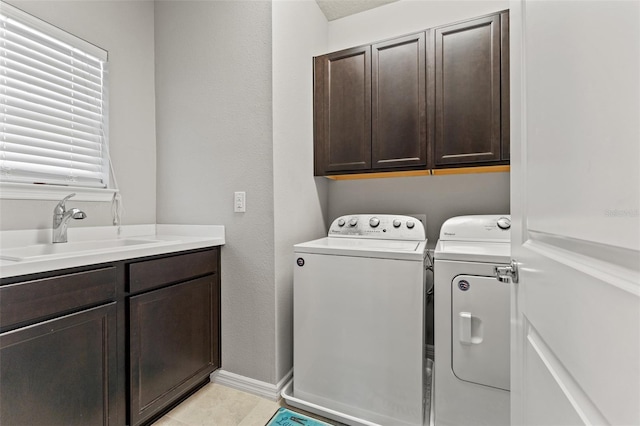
(52, 105)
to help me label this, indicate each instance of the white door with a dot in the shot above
(575, 202)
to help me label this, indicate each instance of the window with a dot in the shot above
(53, 112)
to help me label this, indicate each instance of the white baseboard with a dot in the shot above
(247, 384)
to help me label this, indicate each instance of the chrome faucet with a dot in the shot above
(61, 218)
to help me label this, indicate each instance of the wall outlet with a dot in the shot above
(240, 202)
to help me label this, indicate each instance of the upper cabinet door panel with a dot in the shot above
(398, 103)
(505, 85)
(468, 97)
(345, 101)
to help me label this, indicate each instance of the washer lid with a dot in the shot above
(361, 247)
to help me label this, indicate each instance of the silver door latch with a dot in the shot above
(504, 274)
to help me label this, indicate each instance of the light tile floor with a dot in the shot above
(217, 405)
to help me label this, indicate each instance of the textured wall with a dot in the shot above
(125, 30)
(299, 33)
(214, 137)
(439, 197)
(403, 17)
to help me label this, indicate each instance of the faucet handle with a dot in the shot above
(60, 208)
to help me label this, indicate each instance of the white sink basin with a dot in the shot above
(40, 251)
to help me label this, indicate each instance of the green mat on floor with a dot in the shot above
(286, 417)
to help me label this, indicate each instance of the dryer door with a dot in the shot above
(480, 328)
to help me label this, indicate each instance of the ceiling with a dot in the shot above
(335, 9)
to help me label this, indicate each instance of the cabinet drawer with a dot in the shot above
(158, 272)
(37, 299)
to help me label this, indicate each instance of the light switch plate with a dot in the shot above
(239, 202)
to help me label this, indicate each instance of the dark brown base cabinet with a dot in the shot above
(434, 99)
(108, 344)
(174, 330)
(61, 371)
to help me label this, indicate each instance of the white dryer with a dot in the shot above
(359, 312)
(472, 322)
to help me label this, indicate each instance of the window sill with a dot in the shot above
(25, 191)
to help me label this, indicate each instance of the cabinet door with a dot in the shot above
(399, 135)
(342, 109)
(468, 92)
(61, 371)
(173, 343)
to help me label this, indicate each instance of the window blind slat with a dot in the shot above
(78, 157)
(46, 122)
(69, 132)
(36, 173)
(41, 42)
(29, 100)
(70, 141)
(24, 70)
(49, 145)
(37, 158)
(48, 92)
(33, 59)
(40, 112)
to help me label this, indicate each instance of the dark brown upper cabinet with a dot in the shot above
(431, 100)
(399, 135)
(342, 97)
(471, 88)
(370, 108)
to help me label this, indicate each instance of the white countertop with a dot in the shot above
(162, 239)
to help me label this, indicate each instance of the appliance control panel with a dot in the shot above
(378, 226)
(492, 228)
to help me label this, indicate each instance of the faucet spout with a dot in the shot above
(76, 214)
(61, 218)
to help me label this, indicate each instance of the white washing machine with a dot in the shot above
(472, 321)
(359, 312)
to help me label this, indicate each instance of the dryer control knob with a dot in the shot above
(396, 223)
(341, 222)
(410, 224)
(374, 222)
(353, 221)
(504, 223)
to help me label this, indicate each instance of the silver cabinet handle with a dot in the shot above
(505, 274)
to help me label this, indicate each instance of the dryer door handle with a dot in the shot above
(465, 328)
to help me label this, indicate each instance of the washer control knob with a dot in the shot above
(504, 223)
(374, 222)
(341, 222)
(353, 221)
(410, 224)
(396, 223)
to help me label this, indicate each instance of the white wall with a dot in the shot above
(215, 136)
(299, 33)
(125, 30)
(439, 197)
